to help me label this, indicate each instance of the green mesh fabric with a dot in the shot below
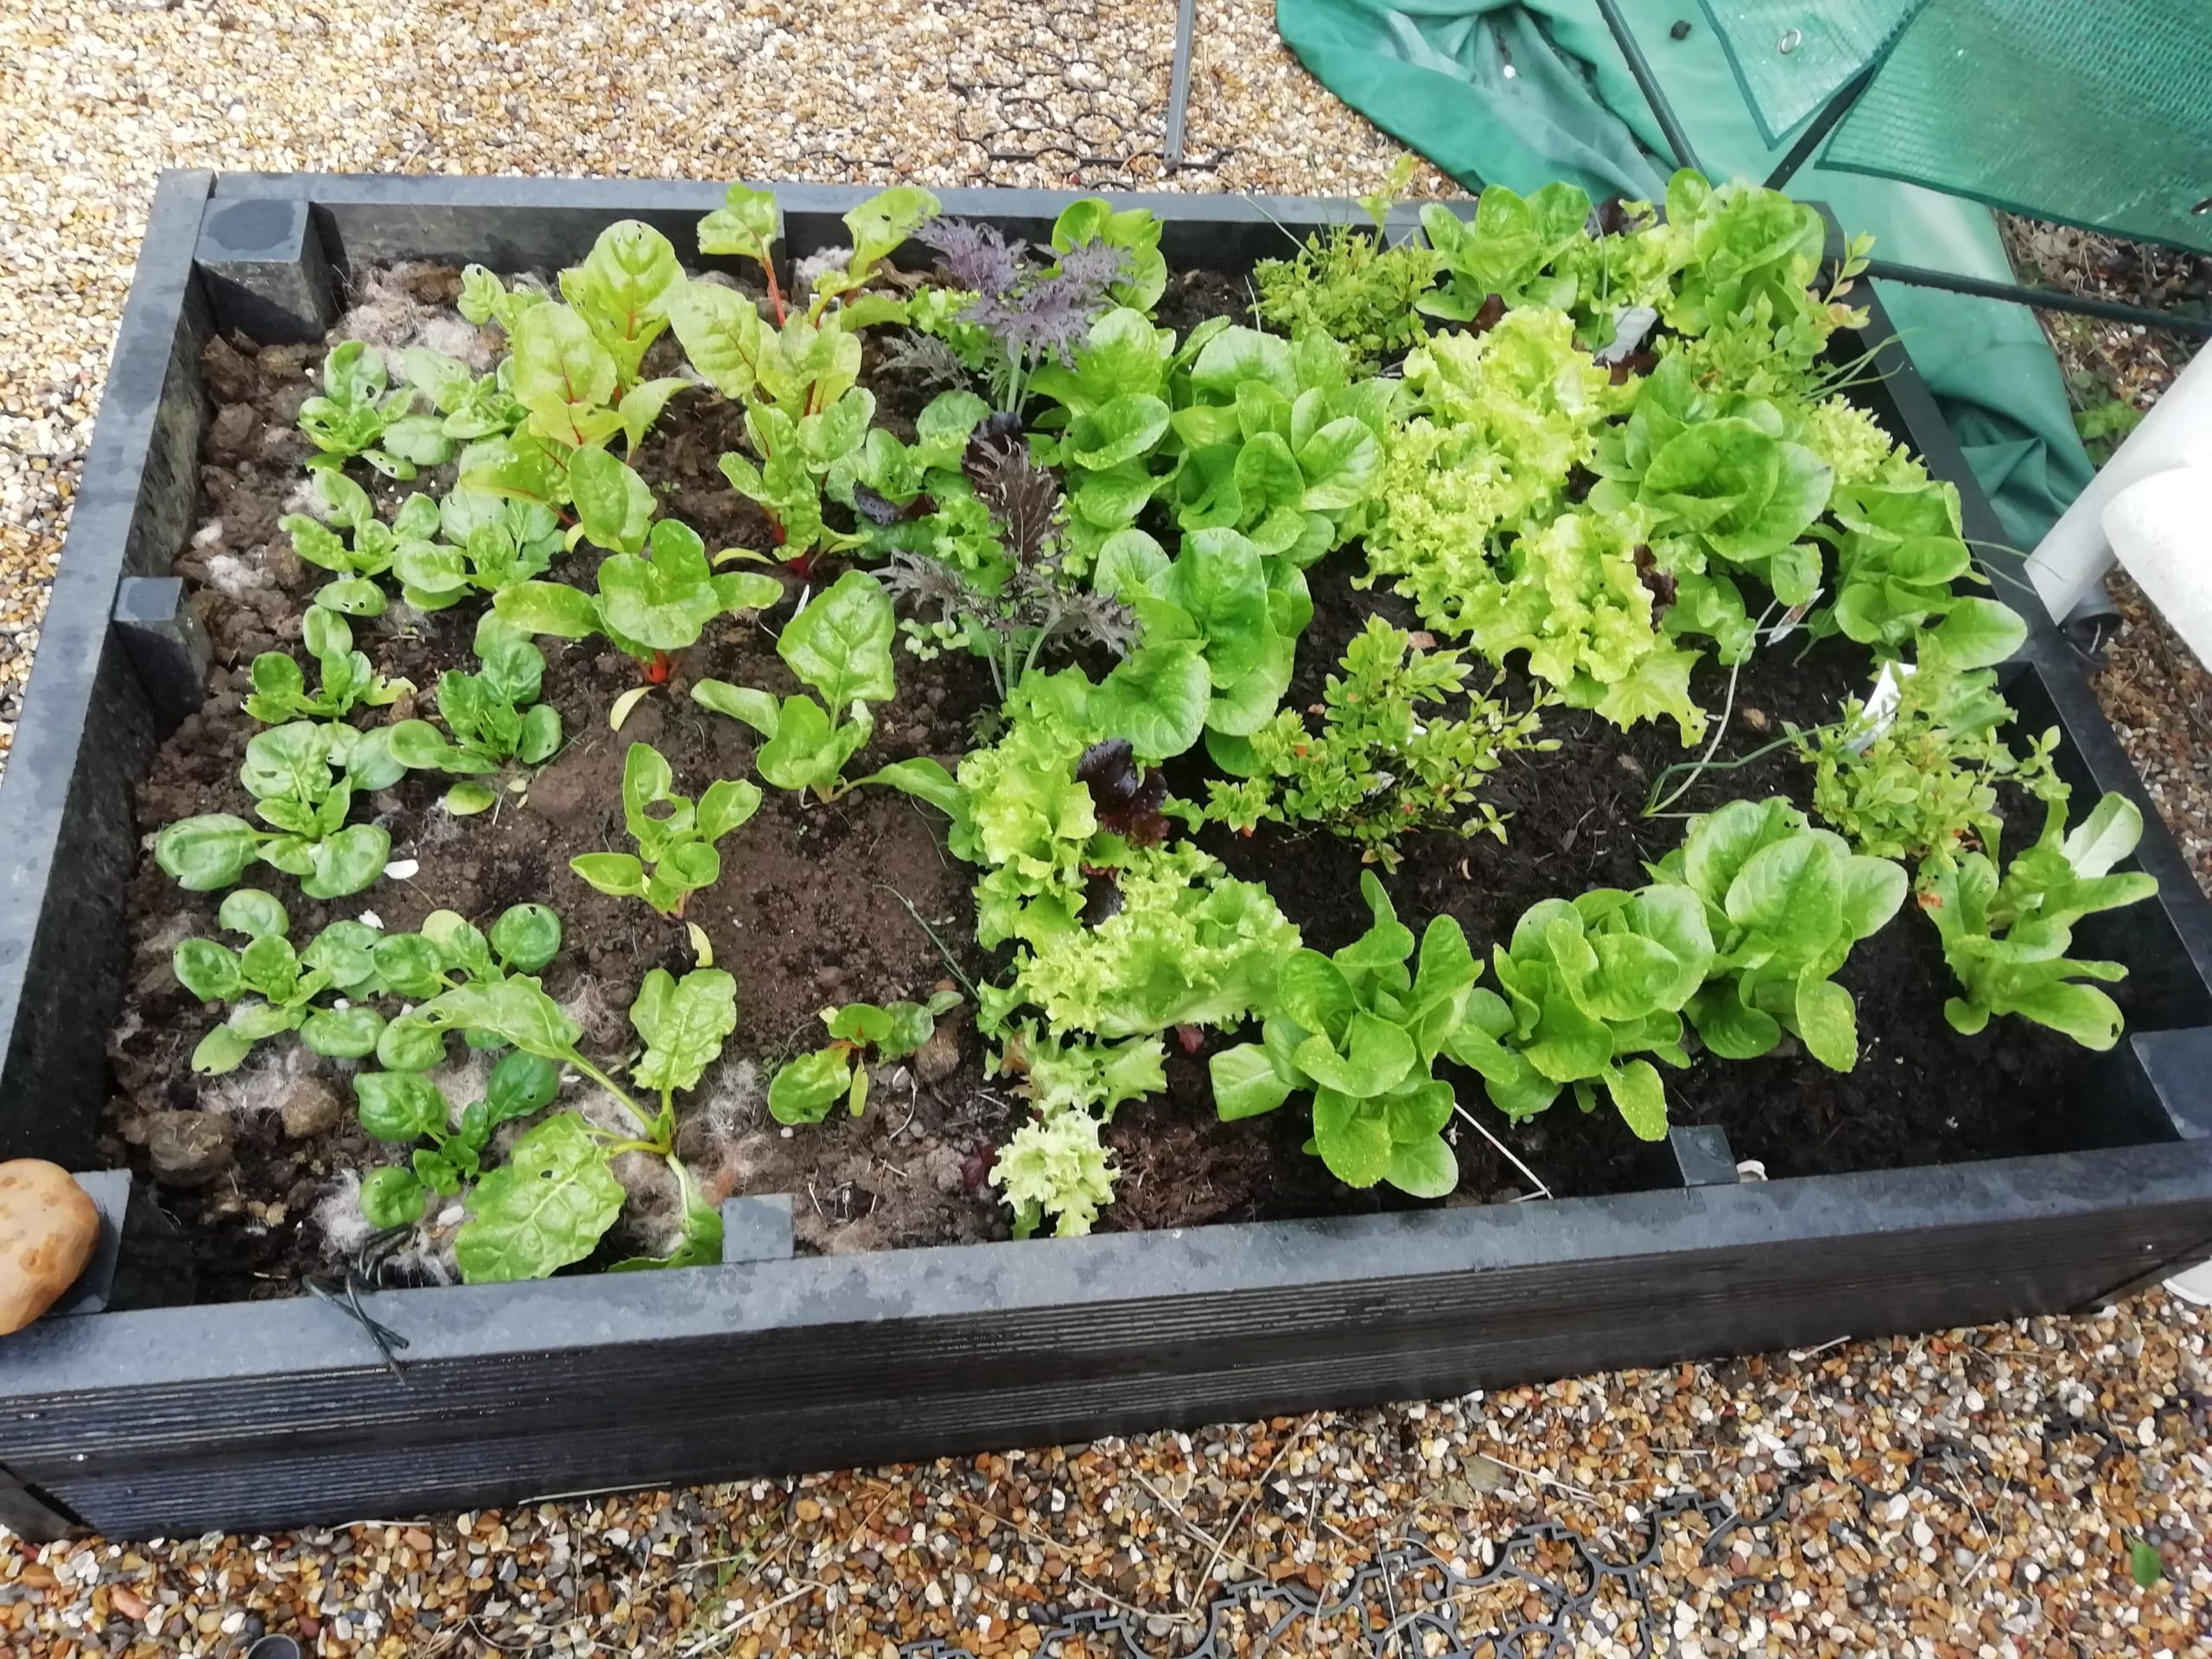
(1792, 56)
(2097, 113)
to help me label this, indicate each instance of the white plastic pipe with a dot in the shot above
(2160, 529)
(2069, 562)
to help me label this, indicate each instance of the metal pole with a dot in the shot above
(2042, 299)
(1648, 84)
(1179, 83)
(1819, 127)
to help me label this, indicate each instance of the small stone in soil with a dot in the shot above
(187, 1149)
(311, 1108)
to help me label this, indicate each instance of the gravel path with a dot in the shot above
(1976, 1494)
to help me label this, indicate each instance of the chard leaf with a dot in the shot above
(806, 1089)
(683, 1023)
(841, 642)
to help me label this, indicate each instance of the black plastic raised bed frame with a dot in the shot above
(253, 1416)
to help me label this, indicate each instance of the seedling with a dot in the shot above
(676, 854)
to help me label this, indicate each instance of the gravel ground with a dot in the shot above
(1975, 1494)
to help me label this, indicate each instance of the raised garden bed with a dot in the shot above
(1944, 1179)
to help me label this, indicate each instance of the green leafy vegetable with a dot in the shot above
(2006, 940)
(1784, 904)
(806, 1089)
(1380, 768)
(1362, 1033)
(675, 838)
(355, 416)
(280, 691)
(840, 645)
(646, 606)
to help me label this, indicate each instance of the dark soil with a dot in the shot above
(813, 909)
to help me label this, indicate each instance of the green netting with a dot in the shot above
(2098, 114)
(1792, 56)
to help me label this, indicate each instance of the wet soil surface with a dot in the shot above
(819, 904)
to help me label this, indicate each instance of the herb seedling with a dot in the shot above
(1379, 768)
(676, 839)
(861, 1035)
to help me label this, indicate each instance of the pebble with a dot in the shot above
(311, 1107)
(187, 1149)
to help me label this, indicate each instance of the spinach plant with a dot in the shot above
(548, 1205)
(364, 551)
(2006, 939)
(355, 416)
(491, 544)
(675, 838)
(469, 405)
(406, 1107)
(279, 692)
(861, 1035)
(649, 605)
(302, 776)
(272, 990)
(494, 715)
(1379, 768)
(1590, 988)
(1362, 1033)
(1784, 904)
(840, 645)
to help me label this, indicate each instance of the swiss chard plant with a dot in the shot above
(304, 776)
(1784, 903)
(649, 605)
(1383, 764)
(360, 414)
(840, 645)
(2005, 938)
(348, 682)
(796, 377)
(675, 837)
(1361, 1032)
(1592, 992)
(557, 1194)
(862, 1034)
